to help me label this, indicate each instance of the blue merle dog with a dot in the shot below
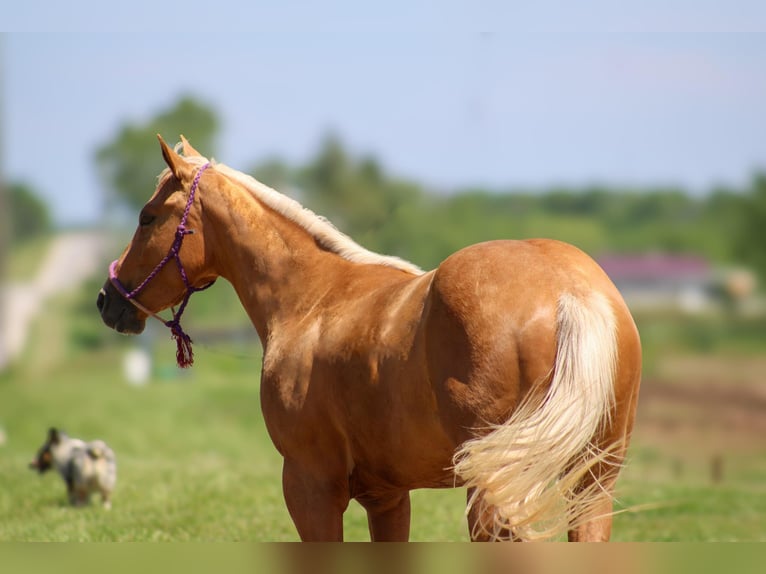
(86, 467)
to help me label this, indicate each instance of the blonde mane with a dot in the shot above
(325, 233)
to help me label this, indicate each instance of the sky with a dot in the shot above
(449, 94)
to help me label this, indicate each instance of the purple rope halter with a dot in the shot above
(184, 352)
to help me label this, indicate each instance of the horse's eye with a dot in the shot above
(145, 219)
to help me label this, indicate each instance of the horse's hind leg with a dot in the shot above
(481, 523)
(598, 528)
(596, 524)
(388, 517)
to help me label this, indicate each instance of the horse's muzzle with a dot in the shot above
(117, 312)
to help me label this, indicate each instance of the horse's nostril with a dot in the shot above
(101, 300)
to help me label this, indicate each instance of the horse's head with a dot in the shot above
(165, 261)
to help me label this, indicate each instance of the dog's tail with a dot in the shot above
(528, 473)
(98, 449)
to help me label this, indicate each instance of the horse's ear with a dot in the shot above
(175, 162)
(189, 151)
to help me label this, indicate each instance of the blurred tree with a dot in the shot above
(29, 215)
(751, 238)
(5, 234)
(275, 173)
(356, 195)
(400, 218)
(130, 163)
(4, 217)
(721, 224)
(328, 186)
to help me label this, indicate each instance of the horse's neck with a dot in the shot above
(275, 266)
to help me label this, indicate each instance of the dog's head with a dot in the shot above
(44, 459)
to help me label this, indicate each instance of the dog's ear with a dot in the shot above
(53, 436)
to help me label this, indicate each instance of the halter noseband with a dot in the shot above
(184, 353)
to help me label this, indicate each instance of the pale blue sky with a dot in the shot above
(450, 94)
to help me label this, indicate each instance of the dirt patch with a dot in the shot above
(713, 370)
(708, 414)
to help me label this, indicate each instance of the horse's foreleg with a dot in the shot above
(316, 504)
(388, 517)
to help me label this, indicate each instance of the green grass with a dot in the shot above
(699, 513)
(196, 463)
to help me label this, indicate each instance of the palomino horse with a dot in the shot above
(512, 369)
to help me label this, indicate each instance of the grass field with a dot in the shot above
(196, 464)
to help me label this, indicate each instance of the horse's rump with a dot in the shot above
(527, 473)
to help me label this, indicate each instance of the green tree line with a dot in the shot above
(393, 215)
(28, 215)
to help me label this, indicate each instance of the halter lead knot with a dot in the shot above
(184, 352)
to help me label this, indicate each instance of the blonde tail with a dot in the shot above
(528, 472)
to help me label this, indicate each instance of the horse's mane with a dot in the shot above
(321, 229)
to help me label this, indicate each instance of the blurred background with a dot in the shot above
(639, 137)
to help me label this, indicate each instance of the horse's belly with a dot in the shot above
(421, 462)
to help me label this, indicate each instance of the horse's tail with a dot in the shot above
(528, 473)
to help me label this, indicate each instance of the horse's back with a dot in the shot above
(518, 282)
(539, 269)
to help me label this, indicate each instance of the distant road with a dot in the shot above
(72, 258)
